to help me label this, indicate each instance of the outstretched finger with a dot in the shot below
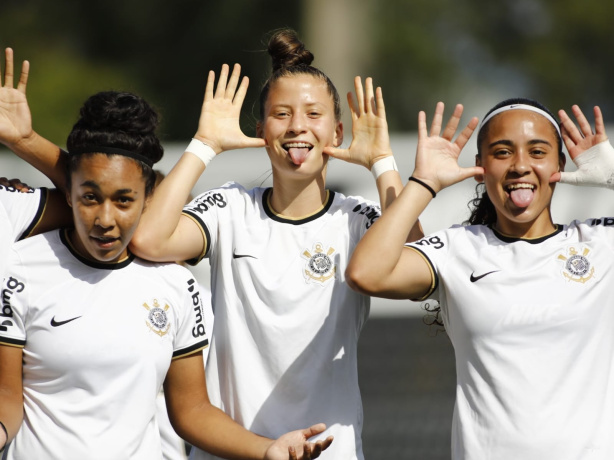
(567, 140)
(585, 126)
(23, 78)
(437, 118)
(379, 103)
(241, 92)
(353, 107)
(221, 83)
(314, 430)
(210, 85)
(599, 125)
(466, 133)
(360, 96)
(369, 96)
(233, 82)
(8, 68)
(422, 129)
(452, 125)
(292, 453)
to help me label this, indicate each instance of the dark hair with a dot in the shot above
(289, 58)
(117, 120)
(482, 210)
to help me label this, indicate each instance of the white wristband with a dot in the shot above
(201, 150)
(383, 165)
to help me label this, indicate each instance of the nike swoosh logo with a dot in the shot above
(474, 278)
(241, 256)
(55, 323)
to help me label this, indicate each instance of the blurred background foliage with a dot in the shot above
(475, 52)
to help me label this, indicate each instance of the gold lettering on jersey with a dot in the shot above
(157, 319)
(319, 266)
(576, 266)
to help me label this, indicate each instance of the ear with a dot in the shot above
(338, 139)
(259, 130)
(478, 162)
(68, 198)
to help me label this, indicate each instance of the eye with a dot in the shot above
(314, 114)
(124, 201)
(502, 153)
(88, 198)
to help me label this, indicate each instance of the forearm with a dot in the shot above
(389, 187)
(373, 262)
(11, 392)
(159, 223)
(44, 155)
(210, 429)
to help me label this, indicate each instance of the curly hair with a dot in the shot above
(118, 120)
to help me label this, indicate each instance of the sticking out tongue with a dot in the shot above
(298, 154)
(522, 197)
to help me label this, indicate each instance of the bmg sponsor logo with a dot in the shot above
(11, 287)
(199, 329)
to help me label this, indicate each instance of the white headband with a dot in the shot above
(521, 107)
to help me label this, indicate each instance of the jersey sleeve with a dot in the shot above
(24, 209)
(435, 249)
(205, 210)
(364, 214)
(191, 330)
(14, 297)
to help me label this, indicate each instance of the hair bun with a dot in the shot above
(286, 50)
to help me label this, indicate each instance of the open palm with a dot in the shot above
(15, 117)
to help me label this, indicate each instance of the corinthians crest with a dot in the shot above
(320, 266)
(157, 319)
(577, 267)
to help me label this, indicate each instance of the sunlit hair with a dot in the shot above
(290, 58)
(117, 120)
(482, 210)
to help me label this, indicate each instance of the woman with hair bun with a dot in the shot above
(90, 333)
(527, 303)
(286, 324)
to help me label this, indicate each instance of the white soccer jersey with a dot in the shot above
(97, 343)
(283, 353)
(19, 214)
(531, 322)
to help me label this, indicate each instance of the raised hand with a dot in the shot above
(295, 445)
(437, 154)
(15, 117)
(219, 126)
(370, 140)
(590, 151)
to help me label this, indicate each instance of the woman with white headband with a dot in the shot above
(527, 303)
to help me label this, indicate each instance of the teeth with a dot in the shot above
(298, 145)
(518, 186)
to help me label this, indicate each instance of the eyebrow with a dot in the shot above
(510, 143)
(121, 191)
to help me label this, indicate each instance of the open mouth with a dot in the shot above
(298, 151)
(104, 241)
(521, 194)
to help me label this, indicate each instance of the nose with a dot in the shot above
(297, 124)
(105, 217)
(521, 163)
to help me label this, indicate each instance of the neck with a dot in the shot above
(295, 198)
(540, 227)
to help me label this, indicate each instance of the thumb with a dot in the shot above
(335, 152)
(253, 142)
(314, 430)
(556, 177)
(567, 177)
